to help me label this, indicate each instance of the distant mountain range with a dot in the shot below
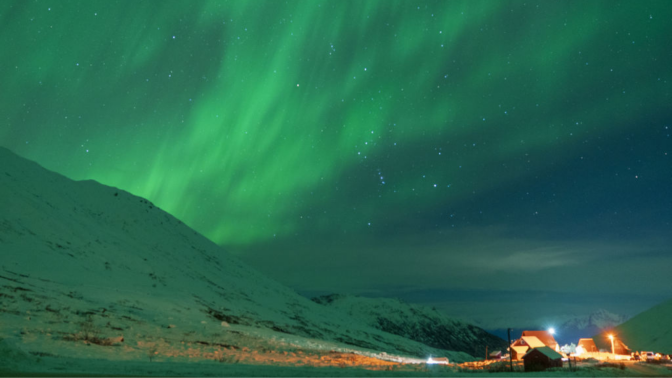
(571, 329)
(415, 322)
(587, 326)
(600, 319)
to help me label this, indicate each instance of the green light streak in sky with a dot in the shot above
(262, 119)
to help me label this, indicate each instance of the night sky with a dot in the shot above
(504, 161)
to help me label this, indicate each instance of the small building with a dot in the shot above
(496, 355)
(545, 337)
(587, 346)
(620, 347)
(542, 358)
(523, 345)
(604, 345)
(438, 360)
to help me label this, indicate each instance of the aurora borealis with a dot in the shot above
(456, 153)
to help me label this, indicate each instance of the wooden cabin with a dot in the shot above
(620, 347)
(542, 358)
(587, 345)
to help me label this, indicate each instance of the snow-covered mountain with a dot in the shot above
(585, 326)
(420, 323)
(600, 319)
(84, 262)
(650, 330)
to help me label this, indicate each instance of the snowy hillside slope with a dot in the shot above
(84, 261)
(650, 330)
(415, 322)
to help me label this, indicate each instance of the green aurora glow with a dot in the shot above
(267, 124)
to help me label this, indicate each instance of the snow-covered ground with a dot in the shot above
(92, 272)
(15, 361)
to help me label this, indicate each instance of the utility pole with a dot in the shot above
(486, 352)
(510, 351)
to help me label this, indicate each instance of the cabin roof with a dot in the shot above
(543, 336)
(532, 341)
(547, 351)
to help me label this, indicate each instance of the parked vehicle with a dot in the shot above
(647, 356)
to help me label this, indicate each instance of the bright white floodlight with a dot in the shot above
(551, 331)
